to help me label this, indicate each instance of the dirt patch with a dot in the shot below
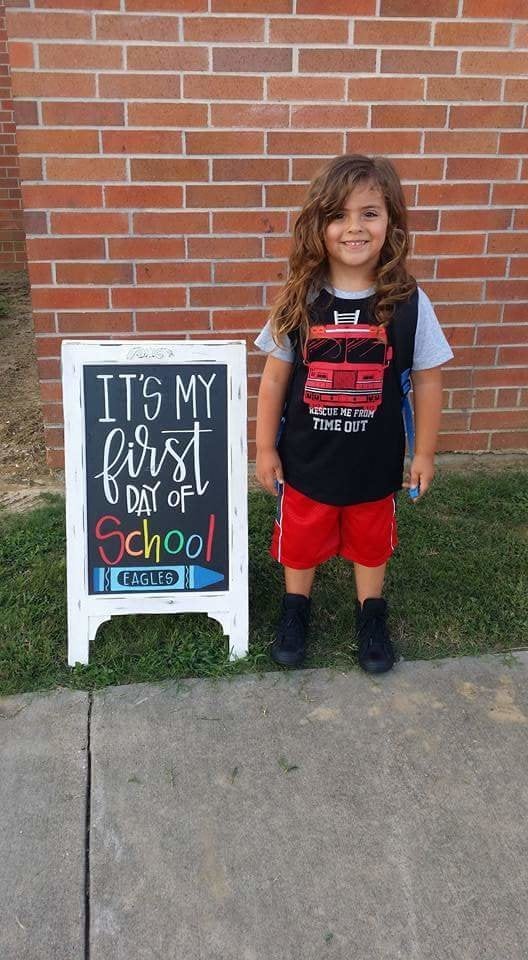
(23, 469)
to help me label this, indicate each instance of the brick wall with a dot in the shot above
(165, 146)
(12, 238)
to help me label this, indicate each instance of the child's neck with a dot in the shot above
(352, 283)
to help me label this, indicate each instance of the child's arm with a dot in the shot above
(272, 394)
(427, 389)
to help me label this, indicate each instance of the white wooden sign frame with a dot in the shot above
(87, 611)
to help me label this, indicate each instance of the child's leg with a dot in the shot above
(299, 581)
(369, 581)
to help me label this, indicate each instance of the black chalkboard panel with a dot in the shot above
(156, 475)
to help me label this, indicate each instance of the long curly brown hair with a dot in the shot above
(308, 263)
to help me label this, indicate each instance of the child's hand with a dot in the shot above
(268, 470)
(421, 474)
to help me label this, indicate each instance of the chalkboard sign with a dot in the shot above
(156, 469)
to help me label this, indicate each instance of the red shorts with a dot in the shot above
(306, 533)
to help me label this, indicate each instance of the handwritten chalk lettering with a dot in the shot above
(150, 409)
(141, 543)
(105, 377)
(189, 393)
(142, 500)
(134, 457)
(177, 498)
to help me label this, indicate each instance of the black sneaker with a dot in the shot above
(289, 646)
(375, 649)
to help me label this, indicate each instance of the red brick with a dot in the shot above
(486, 62)
(30, 168)
(418, 61)
(252, 6)
(383, 141)
(224, 296)
(223, 88)
(514, 142)
(306, 88)
(172, 170)
(391, 89)
(135, 196)
(323, 117)
(463, 442)
(226, 142)
(417, 8)
(514, 193)
(167, 115)
(481, 168)
(392, 32)
(77, 170)
(224, 29)
(40, 84)
(520, 38)
(93, 273)
(182, 271)
(360, 8)
(78, 56)
(499, 420)
(50, 196)
(40, 273)
(227, 320)
(52, 248)
(252, 59)
(501, 377)
(254, 221)
(475, 219)
(171, 320)
(508, 242)
(460, 336)
(224, 248)
(142, 141)
(211, 195)
(438, 243)
(266, 115)
(507, 289)
(157, 57)
(496, 9)
(460, 34)
(61, 298)
(285, 195)
(411, 116)
(53, 26)
(175, 6)
(43, 322)
(459, 141)
(463, 88)
(485, 116)
(77, 4)
(89, 223)
(81, 323)
(137, 297)
(181, 222)
(514, 441)
(303, 143)
(20, 55)
(25, 113)
(250, 272)
(129, 27)
(246, 169)
(503, 333)
(51, 412)
(484, 399)
(454, 290)
(472, 267)
(514, 313)
(519, 267)
(140, 86)
(103, 114)
(57, 141)
(146, 248)
(452, 193)
(423, 220)
(514, 355)
(298, 31)
(337, 61)
(516, 89)
(278, 247)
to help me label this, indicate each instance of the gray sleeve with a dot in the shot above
(431, 348)
(266, 343)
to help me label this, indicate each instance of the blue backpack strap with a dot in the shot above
(407, 411)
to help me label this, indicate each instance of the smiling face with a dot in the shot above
(355, 236)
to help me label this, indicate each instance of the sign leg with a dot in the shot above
(235, 626)
(80, 635)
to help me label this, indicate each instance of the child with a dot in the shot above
(348, 328)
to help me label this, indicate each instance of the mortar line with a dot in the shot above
(87, 830)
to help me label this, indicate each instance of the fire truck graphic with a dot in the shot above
(346, 366)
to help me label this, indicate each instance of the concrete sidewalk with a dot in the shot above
(296, 816)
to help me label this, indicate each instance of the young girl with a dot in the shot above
(348, 329)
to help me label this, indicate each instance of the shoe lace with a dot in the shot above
(293, 632)
(373, 635)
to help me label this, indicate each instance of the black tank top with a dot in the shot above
(342, 439)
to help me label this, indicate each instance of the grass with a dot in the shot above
(457, 585)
